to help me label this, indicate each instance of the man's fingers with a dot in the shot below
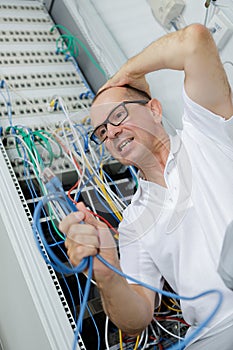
(71, 219)
(89, 218)
(76, 254)
(82, 234)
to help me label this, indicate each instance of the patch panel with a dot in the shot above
(29, 54)
(22, 7)
(61, 167)
(32, 61)
(34, 74)
(25, 20)
(44, 80)
(12, 37)
(22, 33)
(39, 106)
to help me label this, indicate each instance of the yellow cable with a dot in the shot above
(120, 340)
(169, 307)
(52, 103)
(110, 202)
(136, 344)
(100, 183)
(174, 302)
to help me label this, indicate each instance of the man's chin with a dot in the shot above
(125, 161)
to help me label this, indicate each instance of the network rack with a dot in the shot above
(31, 74)
(27, 50)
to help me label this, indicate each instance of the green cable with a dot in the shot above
(66, 46)
(90, 56)
(30, 138)
(55, 227)
(61, 27)
(44, 142)
(56, 156)
(27, 139)
(71, 46)
(50, 211)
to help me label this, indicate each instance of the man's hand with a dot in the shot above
(126, 76)
(86, 236)
(130, 307)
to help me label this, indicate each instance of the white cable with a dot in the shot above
(106, 333)
(156, 336)
(210, 12)
(145, 341)
(206, 16)
(29, 151)
(71, 156)
(85, 162)
(110, 192)
(141, 338)
(52, 141)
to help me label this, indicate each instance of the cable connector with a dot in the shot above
(60, 204)
(2, 84)
(67, 57)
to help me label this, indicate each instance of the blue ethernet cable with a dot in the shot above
(6, 100)
(58, 195)
(75, 63)
(64, 206)
(188, 339)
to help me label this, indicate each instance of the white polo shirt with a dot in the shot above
(177, 232)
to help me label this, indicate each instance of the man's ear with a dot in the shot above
(156, 108)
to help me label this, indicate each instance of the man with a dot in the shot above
(175, 225)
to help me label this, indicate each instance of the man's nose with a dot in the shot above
(113, 130)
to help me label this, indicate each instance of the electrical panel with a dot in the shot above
(44, 122)
(167, 11)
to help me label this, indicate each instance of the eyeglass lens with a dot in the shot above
(116, 117)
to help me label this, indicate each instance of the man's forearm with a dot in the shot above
(169, 52)
(127, 309)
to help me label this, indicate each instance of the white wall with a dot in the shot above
(133, 25)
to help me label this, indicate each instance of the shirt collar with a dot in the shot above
(175, 144)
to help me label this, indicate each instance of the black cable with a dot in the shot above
(51, 6)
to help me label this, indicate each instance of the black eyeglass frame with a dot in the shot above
(95, 138)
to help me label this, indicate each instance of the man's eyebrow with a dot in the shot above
(127, 86)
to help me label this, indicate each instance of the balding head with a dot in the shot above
(128, 92)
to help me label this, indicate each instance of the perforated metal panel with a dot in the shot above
(34, 313)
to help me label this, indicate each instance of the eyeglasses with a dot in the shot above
(115, 118)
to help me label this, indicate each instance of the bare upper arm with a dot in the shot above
(205, 79)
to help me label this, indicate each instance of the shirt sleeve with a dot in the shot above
(210, 124)
(134, 259)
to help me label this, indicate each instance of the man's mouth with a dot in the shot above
(125, 143)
